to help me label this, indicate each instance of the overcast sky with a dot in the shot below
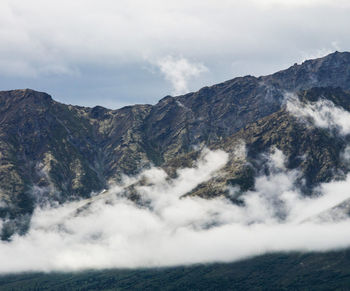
(115, 53)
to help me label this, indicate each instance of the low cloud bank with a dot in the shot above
(322, 113)
(110, 231)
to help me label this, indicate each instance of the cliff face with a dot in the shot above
(55, 152)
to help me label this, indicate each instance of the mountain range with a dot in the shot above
(53, 152)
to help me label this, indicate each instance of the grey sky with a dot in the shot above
(115, 53)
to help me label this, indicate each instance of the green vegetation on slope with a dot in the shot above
(296, 271)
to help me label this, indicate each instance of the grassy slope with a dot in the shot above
(317, 271)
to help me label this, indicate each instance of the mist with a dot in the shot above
(165, 228)
(322, 113)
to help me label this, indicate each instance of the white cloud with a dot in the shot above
(111, 231)
(277, 159)
(179, 71)
(345, 155)
(108, 33)
(322, 113)
(293, 3)
(91, 52)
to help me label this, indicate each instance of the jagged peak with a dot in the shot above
(335, 61)
(25, 95)
(332, 56)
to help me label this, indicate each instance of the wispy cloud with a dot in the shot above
(179, 71)
(322, 113)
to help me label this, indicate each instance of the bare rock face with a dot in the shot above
(55, 152)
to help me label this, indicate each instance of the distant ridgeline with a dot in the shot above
(55, 152)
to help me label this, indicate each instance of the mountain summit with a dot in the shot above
(56, 152)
